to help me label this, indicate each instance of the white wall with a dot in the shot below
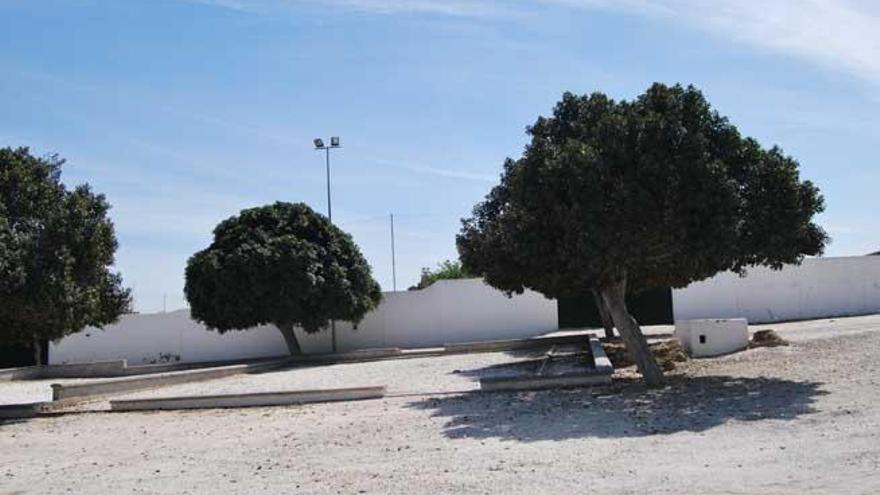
(447, 311)
(818, 288)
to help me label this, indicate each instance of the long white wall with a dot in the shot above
(818, 288)
(446, 312)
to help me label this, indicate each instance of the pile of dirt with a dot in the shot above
(666, 352)
(766, 338)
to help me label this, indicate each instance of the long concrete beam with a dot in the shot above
(249, 400)
(514, 344)
(118, 385)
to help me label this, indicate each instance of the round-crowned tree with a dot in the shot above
(280, 264)
(620, 196)
(56, 253)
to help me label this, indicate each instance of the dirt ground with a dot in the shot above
(797, 419)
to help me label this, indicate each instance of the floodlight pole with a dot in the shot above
(319, 146)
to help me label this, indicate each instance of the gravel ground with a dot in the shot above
(797, 419)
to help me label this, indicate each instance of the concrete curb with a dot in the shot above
(351, 356)
(13, 411)
(118, 385)
(600, 359)
(514, 344)
(539, 382)
(249, 400)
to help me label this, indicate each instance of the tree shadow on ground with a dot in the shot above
(625, 409)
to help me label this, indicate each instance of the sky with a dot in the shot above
(184, 112)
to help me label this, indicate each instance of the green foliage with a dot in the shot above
(56, 250)
(660, 191)
(446, 270)
(282, 264)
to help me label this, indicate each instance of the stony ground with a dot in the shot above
(797, 419)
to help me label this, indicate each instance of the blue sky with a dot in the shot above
(183, 112)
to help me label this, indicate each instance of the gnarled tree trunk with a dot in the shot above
(604, 314)
(289, 335)
(614, 295)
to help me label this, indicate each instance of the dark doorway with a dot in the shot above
(650, 307)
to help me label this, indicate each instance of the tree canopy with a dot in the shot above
(626, 195)
(56, 252)
(445, 270)
(280, 264)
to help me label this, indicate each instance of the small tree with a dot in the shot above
(446, 270)
(56, 250)
(280, 264)
(623, 196)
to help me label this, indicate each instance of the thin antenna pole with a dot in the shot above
(393, 260)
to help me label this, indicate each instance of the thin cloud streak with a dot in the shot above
(837, 35)
(452, 8)
(440, 172)
(840, 35)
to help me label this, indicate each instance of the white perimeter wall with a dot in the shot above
(446, 312)
(818, 288)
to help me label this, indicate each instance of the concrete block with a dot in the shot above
(712, 337)
(249, 400)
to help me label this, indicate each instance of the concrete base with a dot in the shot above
(249, 400)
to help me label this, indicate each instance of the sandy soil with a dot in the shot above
(797, 419)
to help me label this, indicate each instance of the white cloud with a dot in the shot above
(841, 35)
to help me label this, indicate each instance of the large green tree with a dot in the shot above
(280, 264)
(618, 196)
(56, 253)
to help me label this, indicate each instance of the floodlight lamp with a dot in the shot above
(334, 141)
(319, 143)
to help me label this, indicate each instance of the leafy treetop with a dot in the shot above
(282, 264)
(56, 253)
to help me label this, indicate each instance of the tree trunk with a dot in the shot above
(38, 351)
(289, 335)
(636, 344)
(604, 314)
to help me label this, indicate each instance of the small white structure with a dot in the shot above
(706, 338)
(449, 311)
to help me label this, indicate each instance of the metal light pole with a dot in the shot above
(320, 146)
(393, 261)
